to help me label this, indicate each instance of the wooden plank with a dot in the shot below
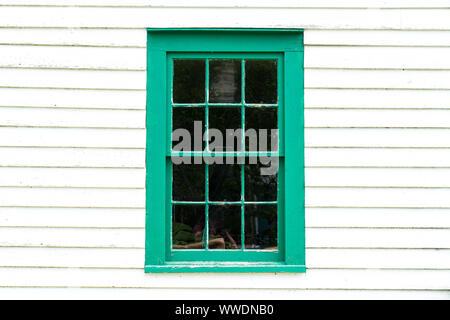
(376, 38)
(61, 197)
(377, 118)
(313, 279)
(381, 99)
(377, 218)
(377, 138)
(315, 238)
(224, 17)
(72, 57)
(380, 79)
(52, 98)
(73, 177)
(72, 217)
(378, 177)
(363, 157)
(377, 197)
(46, 117)
(66, 157)
(376, 57)
(40, 78)
(57, 137)
(75, 37)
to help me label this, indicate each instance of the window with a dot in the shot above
(225, 164)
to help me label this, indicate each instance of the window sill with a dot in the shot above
(220, 267)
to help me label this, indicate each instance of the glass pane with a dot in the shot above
(188, 81)
(262, 118)
(224, 182)
(188, 182)
(258, 186)
(224, 227)
(225, 81)
(185, 118)
(221, 119)
(261, 227)
(261, 81)
(187, 227)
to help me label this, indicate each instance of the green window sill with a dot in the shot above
(220, 267)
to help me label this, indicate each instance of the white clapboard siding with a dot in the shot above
(74, 37)
(315, 237)
(344, 57)
(225, 17)
(314, 279)
(386, 98)
(377, 137)
(393, 79)
(74, 57)
(376, 38)
(46, 117)
(72, 98)
(134, 258)
(377, 118)
(374, 177)
(377, 157)
(377, 197)
(73, 177)
(72, 197)
(72, 79)
(69, 137)
(72, 157)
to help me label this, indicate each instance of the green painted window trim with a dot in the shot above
(285, 44)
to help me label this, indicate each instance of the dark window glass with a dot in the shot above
(259, 187)
(261, 227)
(262, 118)
(223, 118)
(184, 118)
(261, 81)
(187, 226)
(224, 227)
(188, 182)
(225, 81)
(224, 182)
(188, 81)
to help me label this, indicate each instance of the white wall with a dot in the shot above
(72, 146)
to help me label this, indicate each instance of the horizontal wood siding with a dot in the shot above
(72, 148)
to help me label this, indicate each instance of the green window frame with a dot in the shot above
(284, 45)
